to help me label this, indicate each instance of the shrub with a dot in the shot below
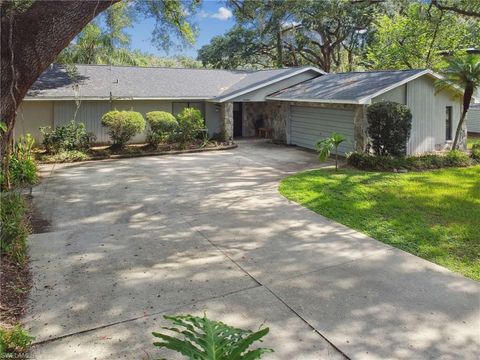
(162, 127)
(476, 152)
(72, 136)
(22, 166)
(389, 125)
(205, 339)
(14, 341)
(14, 226)
(190, 122)
(123, 125)
(457, 158)
(65, 157)
(363, 161)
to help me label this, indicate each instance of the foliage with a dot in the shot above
(328, 34)
(13, 341)
(476, 152)
(204, 339)
(462, 72)
(462, 7)
(431, 214)
(363, 161)
(162, 127)
(190, 122)
(72, 136)
(123, 125)
(161, 121)
(389, 125)
(65, 157)
(325, 147)
(418, 36)
(14, 226)
(106, 41)
(22, 166)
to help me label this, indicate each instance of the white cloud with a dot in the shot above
(222, 14)
(203, 14)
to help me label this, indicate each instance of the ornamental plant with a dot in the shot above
(71, 136)
(199, 338)
(325, 147)
(122, 126)
(190, 122)
(389, 125)
(162, 127)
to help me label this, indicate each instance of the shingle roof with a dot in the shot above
(349, 87)
(99, 81)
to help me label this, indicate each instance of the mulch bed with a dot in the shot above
(15, 282)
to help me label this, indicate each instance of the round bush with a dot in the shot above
(389, 125)
(123, 125)
(190, 122)
(161, 121)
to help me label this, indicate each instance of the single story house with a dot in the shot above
(473, 119)
(301, 105)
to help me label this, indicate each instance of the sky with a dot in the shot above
(212, 19)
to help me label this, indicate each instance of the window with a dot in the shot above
(448, 123)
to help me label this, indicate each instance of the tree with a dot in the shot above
(462, 72)
(329, 34)
(325, 147)
(415, 37)
(462, 7)
(238, 48)
(34, 32)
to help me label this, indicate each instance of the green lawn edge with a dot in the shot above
(434, 215)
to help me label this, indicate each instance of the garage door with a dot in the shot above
(309, 124)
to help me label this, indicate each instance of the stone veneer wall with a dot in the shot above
(226, 120)
(274, 116)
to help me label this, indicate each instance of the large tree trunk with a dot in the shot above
(31, 39)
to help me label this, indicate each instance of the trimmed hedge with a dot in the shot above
(190, 123)
(123, 125)
(454, 158)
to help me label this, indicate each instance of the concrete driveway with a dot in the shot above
(131, 240)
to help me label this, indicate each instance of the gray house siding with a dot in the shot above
(34, 114)
(308, 124)
(398, 95)
(428, 115)
(473, 121)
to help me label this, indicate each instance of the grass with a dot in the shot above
(435, 214)
(472, 139)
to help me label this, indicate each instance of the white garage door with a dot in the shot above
(309, 124)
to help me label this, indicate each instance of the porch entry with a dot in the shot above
(237, 119)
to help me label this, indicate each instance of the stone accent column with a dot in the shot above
(360, 128)
(226, 121)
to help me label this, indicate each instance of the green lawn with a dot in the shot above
(435, 215)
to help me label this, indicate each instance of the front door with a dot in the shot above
(237, 119)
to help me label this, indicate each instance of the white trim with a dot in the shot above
(267, 83)
(325, 101)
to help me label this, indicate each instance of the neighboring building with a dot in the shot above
(301, 105)
(473, 119)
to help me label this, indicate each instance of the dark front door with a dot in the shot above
(237, 119)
